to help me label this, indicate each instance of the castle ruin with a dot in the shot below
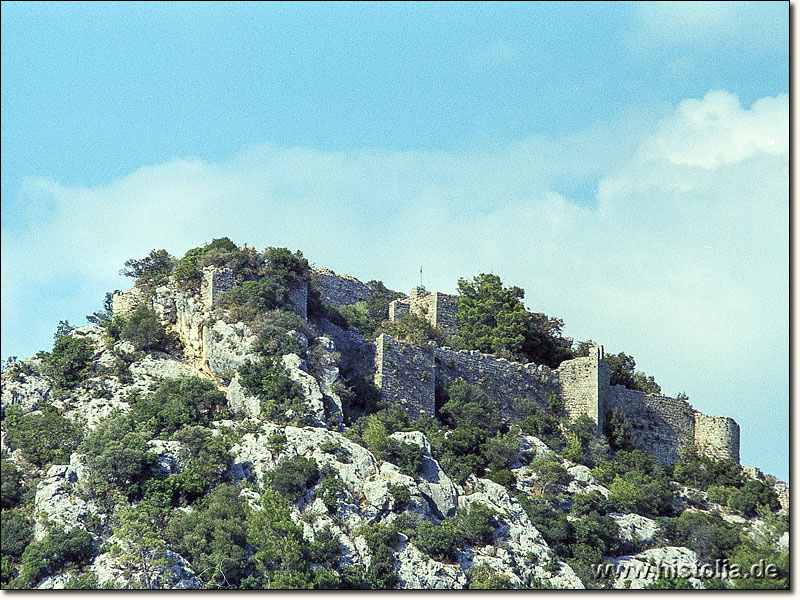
(408, 375)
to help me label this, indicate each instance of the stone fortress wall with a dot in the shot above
(662, 425)
(438, 308)
(408, 375)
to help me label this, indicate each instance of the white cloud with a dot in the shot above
(716, 130)
(633, 272)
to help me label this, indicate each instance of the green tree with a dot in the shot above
(45, 437)
(11, 484)
(179, 402)
(143, 546)
(292, 476)
(151, 271)
(213, 537)
(69, 362)
(492, 319)
(117, 457)
(144, 330)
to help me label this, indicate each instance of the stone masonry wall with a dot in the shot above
(439, 309)
(718, 437)
(507, 382)
(661, 425)
(405, 374)
(215, 281)
(299, 298)
(583, 383)
(339, 290)
(444, 308)
(125, 302)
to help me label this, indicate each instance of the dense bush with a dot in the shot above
(204, 457)
(292, 476)
(281, 555)
(367, 316)
(252, 298)
(481, 577)
(472, 526)
(44, 437)
(11, 484)
(708, 535)
(546, 424)
(219, 252)
(177, 403)
(281, 398)
(53, 554)
(151, 271)
(69, 362)
(373, 432)
(277, 334)
(637, 483)
(493, 319)
(440, 542)
(17, 532)
(144, 330)
(118, 457)
(330, 490)
(213, 537)
(618, 431)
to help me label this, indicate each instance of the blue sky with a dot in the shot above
(624, 163)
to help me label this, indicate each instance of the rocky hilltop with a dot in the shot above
(239, 420)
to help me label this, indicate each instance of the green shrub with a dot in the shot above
(219, 252)
(584, 503)
(330, 490)
(45, 437)
(281, 398)
(708, 535)
(11, 484)
(7, 572)
(440, 542)
(552, 523)
(144, 330)
(252, 298)
(205, 458)
(501, 451)
(274, 337)
(17, 532)
(87, 581)
(151, 271)
(401, 496)
(213, 537)
(292, 476)
(504, 477)
(117, 456)
(69, 362)
(551, 475)
(54, 553)
(481, 577)
(618, 431)
(177, 403)
(280, 555)
(477, 524)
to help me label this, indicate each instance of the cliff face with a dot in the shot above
(374, 491)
